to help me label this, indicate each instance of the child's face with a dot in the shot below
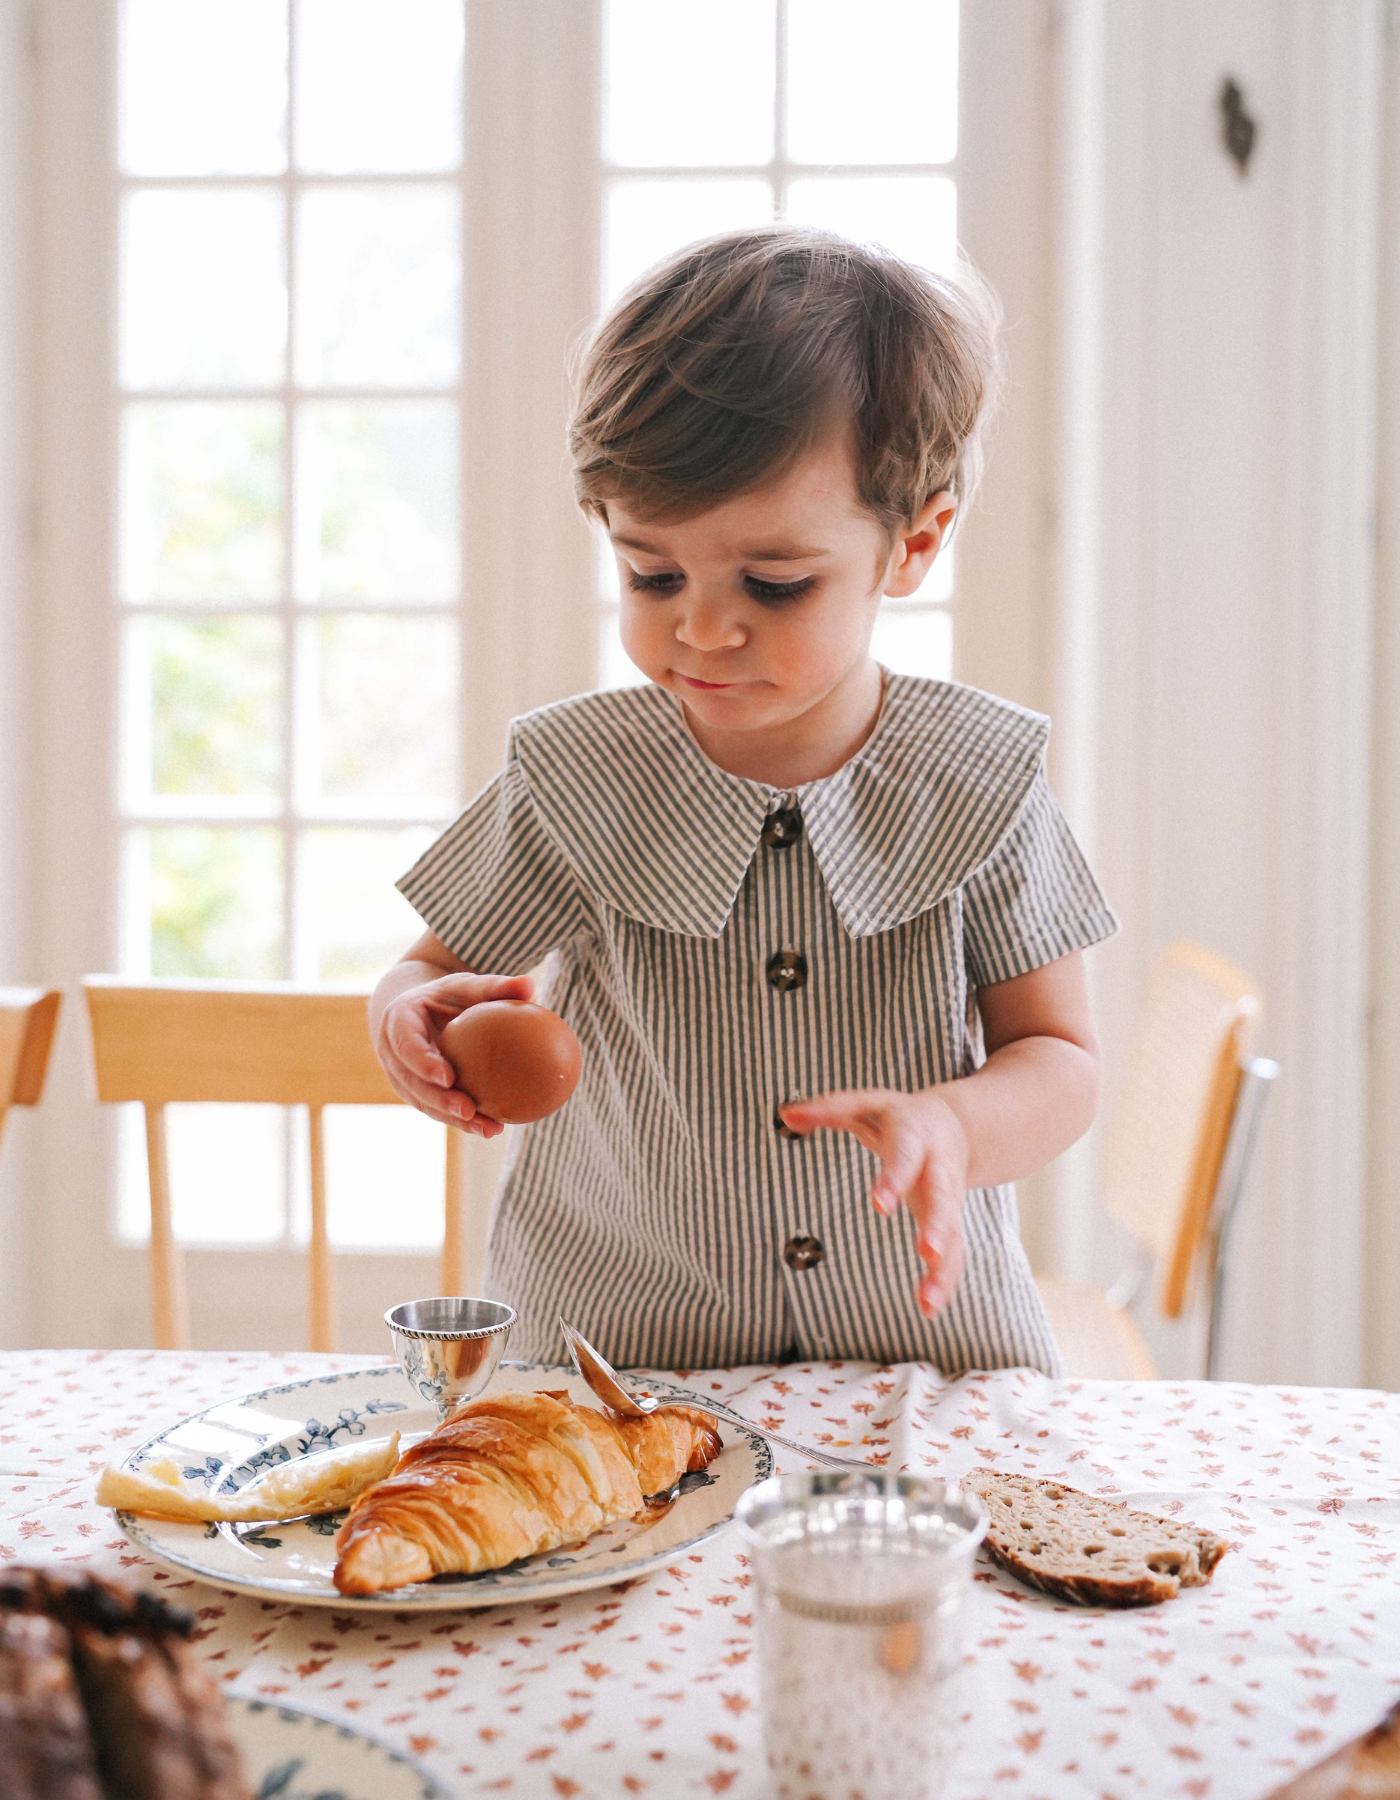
(758, 613)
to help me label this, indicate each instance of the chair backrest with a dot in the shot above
(28, 1019)
(165, 1041)
(1166, 1139)
(159, 1041)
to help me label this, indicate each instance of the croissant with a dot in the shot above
(508, 1477)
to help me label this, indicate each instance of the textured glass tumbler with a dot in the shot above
(860, 1584)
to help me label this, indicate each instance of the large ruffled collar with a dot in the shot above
(660, 833)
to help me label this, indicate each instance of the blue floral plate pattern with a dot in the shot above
(227, 1445)
(290, 1754)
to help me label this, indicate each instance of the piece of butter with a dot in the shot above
(311, 1484)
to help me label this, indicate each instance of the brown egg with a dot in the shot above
(518, 1061)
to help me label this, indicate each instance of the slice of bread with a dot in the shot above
(1368, 1768)
(1094, 1552)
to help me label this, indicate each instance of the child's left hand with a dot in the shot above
(923, 1147)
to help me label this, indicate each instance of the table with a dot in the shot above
(650, 1689)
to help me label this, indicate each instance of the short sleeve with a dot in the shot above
(493, 887)
(1034, 899)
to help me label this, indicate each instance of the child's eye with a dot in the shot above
(777, 590)
(666, 583)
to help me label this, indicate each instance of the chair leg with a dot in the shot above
(453, 1274)
(321, 1272)
(170, 1313)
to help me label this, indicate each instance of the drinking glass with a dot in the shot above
(860, 1586)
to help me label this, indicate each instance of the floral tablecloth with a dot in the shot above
(650, 1689)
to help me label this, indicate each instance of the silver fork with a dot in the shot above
(603, 1379)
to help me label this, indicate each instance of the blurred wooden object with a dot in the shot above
(278, 1044)
(1177, 1152)
(1368, 1768)
(28, 1020)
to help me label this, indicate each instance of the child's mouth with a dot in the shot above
(710, 686)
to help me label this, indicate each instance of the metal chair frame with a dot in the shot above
(1257, 1077)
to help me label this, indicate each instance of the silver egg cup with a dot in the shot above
(449, 1347)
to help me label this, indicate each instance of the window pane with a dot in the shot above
(388, 710)
(385, 1174)
(643, 220)
(205, 698)
(201, 501)
(379, 85)
(688, 84)
(353, 921)
(379, 287)
(872, 83)
(213, 896)
(227, 1174)
(378, 500)
(916, 216)
(203, 87)
(203, 289)
(915, 642)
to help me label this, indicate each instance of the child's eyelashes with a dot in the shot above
(669, 582)
(771, 593)
(774, 592)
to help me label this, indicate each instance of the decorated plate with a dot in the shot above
(289, 1754)
(228, 1445)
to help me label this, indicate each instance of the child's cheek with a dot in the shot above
(639, 637)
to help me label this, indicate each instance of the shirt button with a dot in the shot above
(787, 969)
(803, 1252)
(782, 828)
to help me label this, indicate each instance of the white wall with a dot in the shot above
(1197, 523)
(17, 950)
(1383, 1261)
(1237, 588)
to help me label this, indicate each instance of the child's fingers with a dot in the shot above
(936, 1201)
(454, 993)
(411, 1024)
(902, 1160)
(923, 1173)
(450, 1106)
(873, 1122)
(455, 1109)
(866, 1114)
(412, 1049)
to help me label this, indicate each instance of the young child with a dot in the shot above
(817, 927)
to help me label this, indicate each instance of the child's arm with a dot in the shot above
(1033, 1097)
(424, 989)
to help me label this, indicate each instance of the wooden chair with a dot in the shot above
(28, 1020)
(1176, 1157)
(164, 1041)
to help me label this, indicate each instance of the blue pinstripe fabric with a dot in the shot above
(654, 1209)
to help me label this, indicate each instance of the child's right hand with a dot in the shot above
(406, 1042)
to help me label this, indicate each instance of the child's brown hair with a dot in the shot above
(729, 359)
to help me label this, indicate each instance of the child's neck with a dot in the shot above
(794, 751)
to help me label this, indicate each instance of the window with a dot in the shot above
(223, 639)
(789, 109)
(287, 540)
(290, 435)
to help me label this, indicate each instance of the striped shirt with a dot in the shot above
(720, 946)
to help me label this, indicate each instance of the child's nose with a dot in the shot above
(706, 626)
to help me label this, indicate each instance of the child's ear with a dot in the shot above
(919, 543)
